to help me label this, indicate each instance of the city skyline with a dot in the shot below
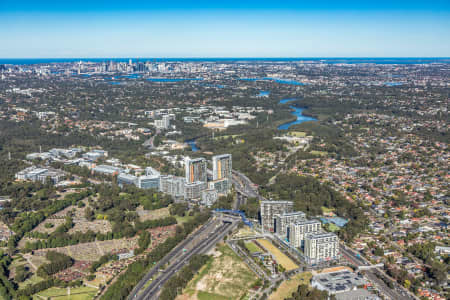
(249, 29)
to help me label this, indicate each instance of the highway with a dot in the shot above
(199, 243)
(171, 254)
(244, 186)
(394, 294)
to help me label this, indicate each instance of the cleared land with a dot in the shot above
(245, 232)
(280, 257)
(225, 276)
(94, 250)
(80, 293)
(286, 289)
(145, 215)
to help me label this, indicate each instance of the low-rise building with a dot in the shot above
(338, 282)
(107, 170)
(123, 179)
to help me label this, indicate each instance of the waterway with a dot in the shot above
(173, 79)
(193, 144)
(298, 113)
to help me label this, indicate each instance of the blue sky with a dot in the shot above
(31, 29)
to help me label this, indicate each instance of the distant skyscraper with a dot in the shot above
(222, 166)
(195, 170)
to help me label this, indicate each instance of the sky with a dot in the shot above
(315, 28)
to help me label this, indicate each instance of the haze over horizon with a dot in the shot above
(116, 29)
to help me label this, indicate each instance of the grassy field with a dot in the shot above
(208, 296)
(160, 213)
(326, 210)
(286, 289)
(80, 293)
(281, 258)
(225, 276)
(252, 247)
(184, 219)
(321, 153)
(332, 227)
(297, 133)
(32, 280)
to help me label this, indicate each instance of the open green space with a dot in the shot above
(184, 219)
(297, 133)
(210, 296)
(289, 286)
(79, 293)
(252, 247)
(320, 153)
(327, 210)
(332, 227)
(32, 280)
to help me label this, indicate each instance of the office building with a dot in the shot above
(195, 170)
(34, 173)
(282, 221)
(193, 190)
(123, 179)
(107, 170)
(297, 231)
(222, 166)
(149, 171)
(271, 208)
(172, 185)
(164, 123)
(321, 247)
(148, 182)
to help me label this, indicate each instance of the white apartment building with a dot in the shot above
(271, 208)
(282, 221)
(297, 231)
(321, 247)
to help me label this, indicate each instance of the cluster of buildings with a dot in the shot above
(295, 229)
(199, 184)
(195, 186)
(43, 175)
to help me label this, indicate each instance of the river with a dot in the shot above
(298, 113)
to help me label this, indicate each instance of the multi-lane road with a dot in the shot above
(199, 242)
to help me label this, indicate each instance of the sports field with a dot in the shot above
(281, 258)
